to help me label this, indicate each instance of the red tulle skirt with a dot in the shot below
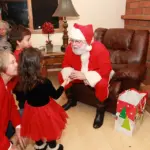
(43, 123)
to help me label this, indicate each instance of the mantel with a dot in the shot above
(136, 17)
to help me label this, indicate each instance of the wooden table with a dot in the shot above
(52, 61)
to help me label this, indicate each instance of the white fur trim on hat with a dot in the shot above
(92, 77)
(66, 72)
(89, 47)
(76, 34)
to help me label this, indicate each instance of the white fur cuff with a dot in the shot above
(18, 126)
(66, 72)
(92, 77)
(55, 148)
(111, 74)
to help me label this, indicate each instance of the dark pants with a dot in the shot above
(10, 129)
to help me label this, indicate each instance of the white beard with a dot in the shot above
(81, 50)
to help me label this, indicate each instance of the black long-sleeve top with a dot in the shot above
(40, 94)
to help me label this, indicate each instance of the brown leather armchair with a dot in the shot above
(128, 52)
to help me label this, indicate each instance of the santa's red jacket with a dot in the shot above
(96, 66)
(8, 111)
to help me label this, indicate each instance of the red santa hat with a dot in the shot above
(83, 32)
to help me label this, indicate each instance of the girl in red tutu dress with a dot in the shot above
(43, 119)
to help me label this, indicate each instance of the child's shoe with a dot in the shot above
(41, 147)
(58, 147)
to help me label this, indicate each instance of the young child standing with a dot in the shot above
(19, 37)
(43, 119)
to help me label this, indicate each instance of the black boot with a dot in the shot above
(54, 146)
(71, 101)
(69, 104)
(58, 147)
(99, 118)
(40, 145)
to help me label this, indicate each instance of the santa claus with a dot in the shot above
(87, 61)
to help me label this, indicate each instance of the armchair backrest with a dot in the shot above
(126, 46)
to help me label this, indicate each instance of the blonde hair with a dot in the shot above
(4, 25)
(3, 59)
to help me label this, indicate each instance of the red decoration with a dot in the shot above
(48, 28)
(131, 109)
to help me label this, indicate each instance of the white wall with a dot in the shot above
(100, 13)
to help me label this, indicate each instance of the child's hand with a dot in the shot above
(66, 81)
(20, 139)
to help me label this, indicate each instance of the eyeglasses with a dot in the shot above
(78, 42)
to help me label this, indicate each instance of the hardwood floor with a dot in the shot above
(80, 135)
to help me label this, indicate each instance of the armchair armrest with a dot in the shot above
(132, 71)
